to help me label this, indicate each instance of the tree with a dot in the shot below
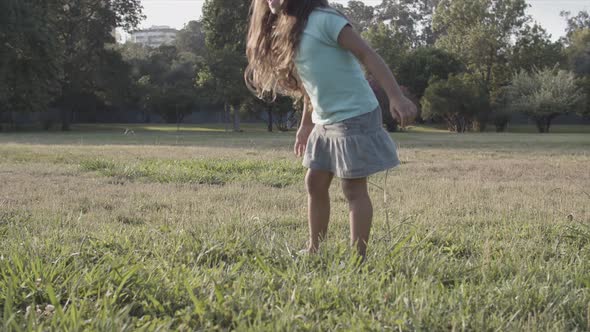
(421, 65)
(390, 46)
(165, 82)
(133, 53)
(191, 39)
(85, 27)
(361, 15)
(534, 49)
(411, 19)
(457, 101)
(113, 85)
(274, 112)
(584, 85)
(578, 54)
(501, 114)
(225, 27)
(575, 23)
(173, 103)
(427, 8)
(30, 62)
(544, 94)
(479, 32)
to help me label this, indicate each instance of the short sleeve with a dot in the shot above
(333, 23)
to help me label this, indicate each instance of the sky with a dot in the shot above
(176, 13)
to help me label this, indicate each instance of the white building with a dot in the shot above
(154, 36)
(117, 35)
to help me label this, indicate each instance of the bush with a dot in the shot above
(500, 120)
(460, 101)
(544, 94)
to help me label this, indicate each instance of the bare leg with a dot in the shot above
(318, 206)
(360, 212)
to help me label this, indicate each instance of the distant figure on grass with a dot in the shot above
(308, 50)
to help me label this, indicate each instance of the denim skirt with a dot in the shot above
(353, 148)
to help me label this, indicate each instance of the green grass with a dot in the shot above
(197, 230)
(170, 128)
(219, 172)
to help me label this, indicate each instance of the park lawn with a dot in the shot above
(260, 127)
(198, 230)
(186, 128)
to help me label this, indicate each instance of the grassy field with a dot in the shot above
(196, 230)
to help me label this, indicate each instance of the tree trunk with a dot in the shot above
(46, 121)
(501, 126)
(11, 122)
(226, 116)
(281, 125)
(450, 123)
(269, 110)
(540, 126)
(178, 119)
(459, 124)
(236, 118)
(65, 119)
(543, 124)
(479, 125)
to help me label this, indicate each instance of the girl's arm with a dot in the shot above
(306, 117)
(304, 129)
(402, 108)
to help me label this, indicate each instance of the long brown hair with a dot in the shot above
(272, 44)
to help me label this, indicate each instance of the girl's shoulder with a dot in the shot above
(325, 23)
(319, 11)
(325, 15)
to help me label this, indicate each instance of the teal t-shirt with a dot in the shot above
(331, 75)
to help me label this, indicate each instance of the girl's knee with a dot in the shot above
(317, 182)
(355, 189)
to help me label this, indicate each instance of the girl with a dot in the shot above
(305, 49)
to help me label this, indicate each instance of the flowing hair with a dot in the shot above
(271, 46)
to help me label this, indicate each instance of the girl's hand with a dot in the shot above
(301, 139)
(403, 110)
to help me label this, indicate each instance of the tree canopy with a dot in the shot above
(60, 55)
(30, 56)
(225, 24)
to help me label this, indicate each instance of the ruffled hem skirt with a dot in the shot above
(354, 148)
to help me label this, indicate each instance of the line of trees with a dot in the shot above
(56, 54)
(465, 59)
(469, 63)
